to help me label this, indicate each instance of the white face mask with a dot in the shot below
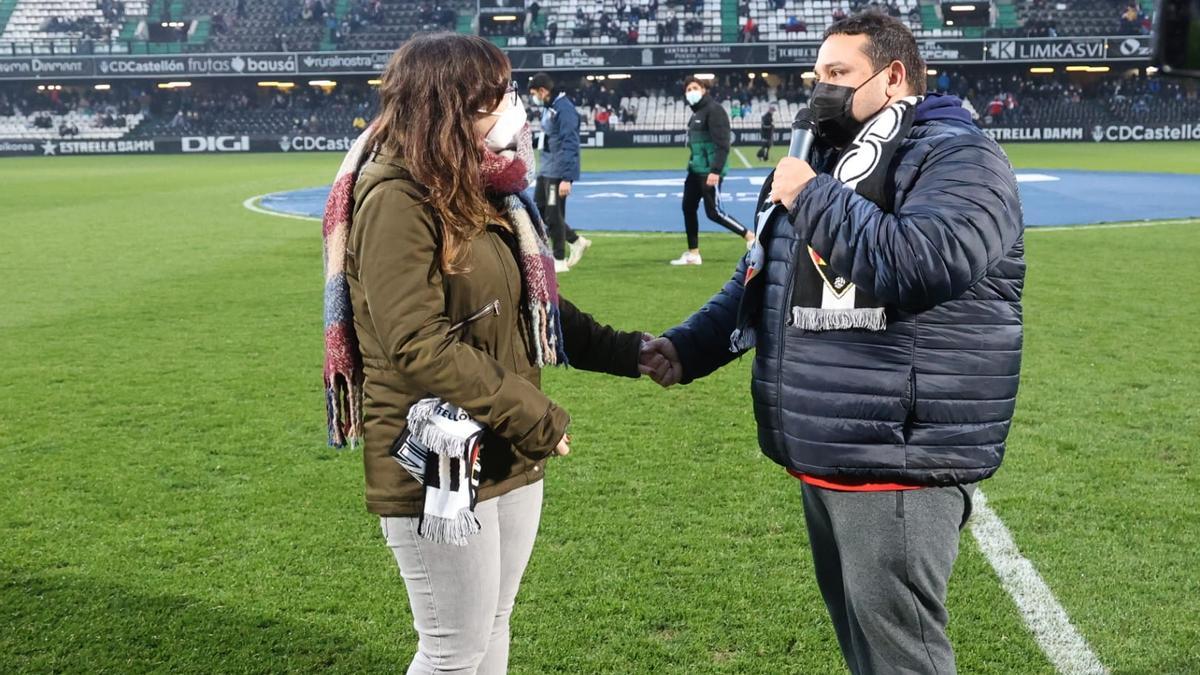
(693, 97)
(505, 133)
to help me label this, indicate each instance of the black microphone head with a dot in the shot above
(804, 119)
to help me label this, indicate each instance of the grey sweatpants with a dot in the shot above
(883, 561)
(462, 596)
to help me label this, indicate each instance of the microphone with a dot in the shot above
(803, 133)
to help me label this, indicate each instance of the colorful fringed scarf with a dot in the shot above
(506, 174)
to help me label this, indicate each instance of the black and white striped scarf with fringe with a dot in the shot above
(440, 448)
(823, 300)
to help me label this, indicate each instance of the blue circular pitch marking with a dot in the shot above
(649, 201)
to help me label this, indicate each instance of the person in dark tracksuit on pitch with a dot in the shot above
(709, 139)
(558, 169)
(768, 134)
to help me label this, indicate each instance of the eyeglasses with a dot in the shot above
(510, 95)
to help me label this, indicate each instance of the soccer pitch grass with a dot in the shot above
(169, 504)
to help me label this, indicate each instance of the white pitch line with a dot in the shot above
(742, 157)
(1113, 226)
(252, 204)
(1046, 618)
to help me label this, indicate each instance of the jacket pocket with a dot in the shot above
(490, 309)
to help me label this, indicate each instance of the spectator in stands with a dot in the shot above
(669, 31)
(603, 119)
(839, 14)
(693, 27)
(1130, 24)
(291, 12)
(794, 25)
(532, 11)
(709, 140)
(749, 31)
(631, 35)
(996, 108)
(552, 31)
(943, 82)
(559, 169)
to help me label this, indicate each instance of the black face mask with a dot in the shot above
(833, 109)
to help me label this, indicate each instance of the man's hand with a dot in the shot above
(790, 178)
(564, 446)
(713, 180)
(564, 189)
(660, 361)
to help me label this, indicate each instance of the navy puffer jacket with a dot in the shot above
(929, 400)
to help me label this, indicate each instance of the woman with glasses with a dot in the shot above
(454, 301)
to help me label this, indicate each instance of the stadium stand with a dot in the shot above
(133, 26)
(1014, 100)
(614, 22)
(62, 26)
(781, 20)
(55, 113)
(1044, 18)
(310, 25)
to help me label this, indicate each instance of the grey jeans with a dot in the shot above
(883, 562)
(462, 596)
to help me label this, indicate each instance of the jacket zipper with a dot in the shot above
(490, 309)
(784, 323)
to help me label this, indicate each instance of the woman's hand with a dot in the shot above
(564, 446)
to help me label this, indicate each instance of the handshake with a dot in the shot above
(659, 360)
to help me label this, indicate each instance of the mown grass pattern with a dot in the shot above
(170, 505)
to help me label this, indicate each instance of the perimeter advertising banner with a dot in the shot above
(746, 138)
(634, 57)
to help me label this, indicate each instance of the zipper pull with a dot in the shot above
(492, 308)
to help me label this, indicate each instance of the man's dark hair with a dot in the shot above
(704, 84)
(888, 39)
(541, 81)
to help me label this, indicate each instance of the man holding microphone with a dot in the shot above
(884, 304)
(559, 168)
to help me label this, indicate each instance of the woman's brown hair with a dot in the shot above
(429, 98)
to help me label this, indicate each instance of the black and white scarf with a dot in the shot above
(440, 448)
(822, 299)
